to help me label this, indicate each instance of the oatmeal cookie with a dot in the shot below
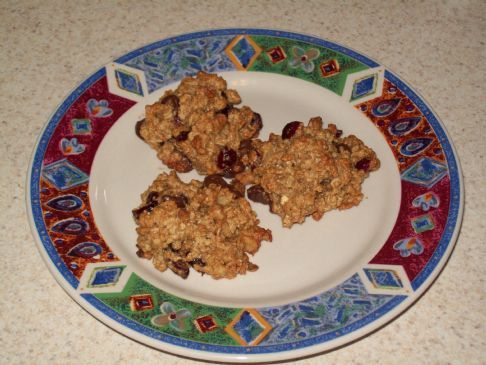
(308, 170)
(208, 226)
(197, 126)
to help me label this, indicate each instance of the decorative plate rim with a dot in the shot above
(425, 278)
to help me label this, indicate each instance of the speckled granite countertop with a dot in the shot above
(48, 47)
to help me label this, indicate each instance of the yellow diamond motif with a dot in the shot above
(248, 328)
(243, 51)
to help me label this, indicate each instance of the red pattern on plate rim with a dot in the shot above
(413, 264)
(63, 243)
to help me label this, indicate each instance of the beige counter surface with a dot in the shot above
(48, 47)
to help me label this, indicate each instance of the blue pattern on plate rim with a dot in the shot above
(162, 65)
(327, 312)
(370, 317)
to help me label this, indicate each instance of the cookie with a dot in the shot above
(208, 226)
(308, 170)
(198, 126)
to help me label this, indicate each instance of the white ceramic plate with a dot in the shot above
(320, 284)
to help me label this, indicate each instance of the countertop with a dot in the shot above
(48, 47)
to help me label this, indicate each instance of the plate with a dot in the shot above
(320, 284)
